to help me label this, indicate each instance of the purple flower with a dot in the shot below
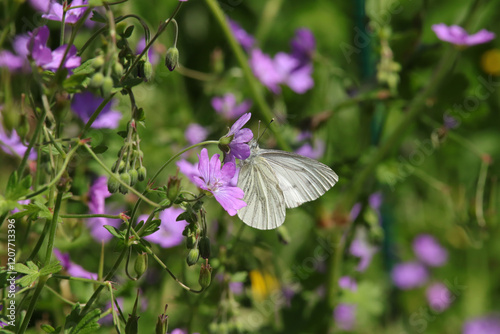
(47, 59)
(188, 169)
(345, 316)
(409, 275)
(17, 61)
(263, 68)
(489, 324)
(12, 144)
(360, 247)
(236, 287)
(458, 36)
(72, 268)
(283, 69)
(291, 73)
(438, 297)
(245, 39)
(309, 151)
(170, 232)
(450, 122)
(226, 105)
(86, 103)
(195, 133)
(238, 147)
(429, 251)
(303, 45)
(55, 10)
(98, 193)
(348, 283)
(215, 180)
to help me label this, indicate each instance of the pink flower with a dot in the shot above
(238, 147)
(409, 275)
(458, 36)
(216, 180)
(227, 106)
(170, 232)
(438, 297)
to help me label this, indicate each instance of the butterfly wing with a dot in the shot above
(265, 208)
(301, 179)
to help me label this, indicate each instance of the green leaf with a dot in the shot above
(51, 268)
(140, 114)
(239, 276)
(38, 209)
(151, 227)
(11, 184)
(128, 32)
(96, 16)
(50, 149)
(88, 324)
(100, 149)
(31, 271)
(114, 231)
(122, 134)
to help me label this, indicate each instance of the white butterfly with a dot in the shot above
(274, 180)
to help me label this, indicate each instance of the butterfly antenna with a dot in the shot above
(267, 127)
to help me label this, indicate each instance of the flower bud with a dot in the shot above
(174, 184)
(193, 256)
(148, 70)
(98, 62)
(133, 176)
(172, 58)
(204, 246)
(191, 241)
(125, 177)
(141, 264)
(97, 80)
(24, 127)
(118, 69)
(205, 275)
(107, 86)
(113, 184)
(224, 143)
(141, 173)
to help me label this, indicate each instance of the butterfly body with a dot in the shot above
(274, 180)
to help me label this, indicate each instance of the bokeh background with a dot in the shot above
(405, 242)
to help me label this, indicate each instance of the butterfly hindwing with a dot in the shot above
(301, 179)
(265, 208)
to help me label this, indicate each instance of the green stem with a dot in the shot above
(161, 28)
(481, 182)
(58, 295)
(39, 124)
(335, 267)
(100, 287)
(57, 177)
(82, 216)
(79, 279)
(255, 89)
(43, 279)
(113, 175)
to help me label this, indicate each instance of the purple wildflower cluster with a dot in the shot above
(414, 274)
(293, 70)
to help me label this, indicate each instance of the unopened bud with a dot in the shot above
(118, 69)
(98, 62)
(174, 184)
(125, 177)
(97, 80)
(141, 173)
(162, 324)
(205, 275)
(113, 184)
(141, 264)
(190, 241)
(193, 256)
(204, 245)
(133, 176)
(148, 70)
(107, 86)
(224, 143)
(172, 58)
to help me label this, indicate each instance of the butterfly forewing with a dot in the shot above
(265, 208)
(301, 179)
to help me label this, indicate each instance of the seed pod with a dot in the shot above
(107, 86)
(113, 184)
(141, 264)
(97, 80)
(141, 173)
(205, 277)
(172, 58)
(133, 176)
(125, 177)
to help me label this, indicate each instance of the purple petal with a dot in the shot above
(345, 316)
(203, 165)
(429, 251)
(170, 232)
(409, 275)
(195, 133)
(227, 172)
(188, 169)
(239, 124)
(230, 198)
(264, 69)
(438, 297)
